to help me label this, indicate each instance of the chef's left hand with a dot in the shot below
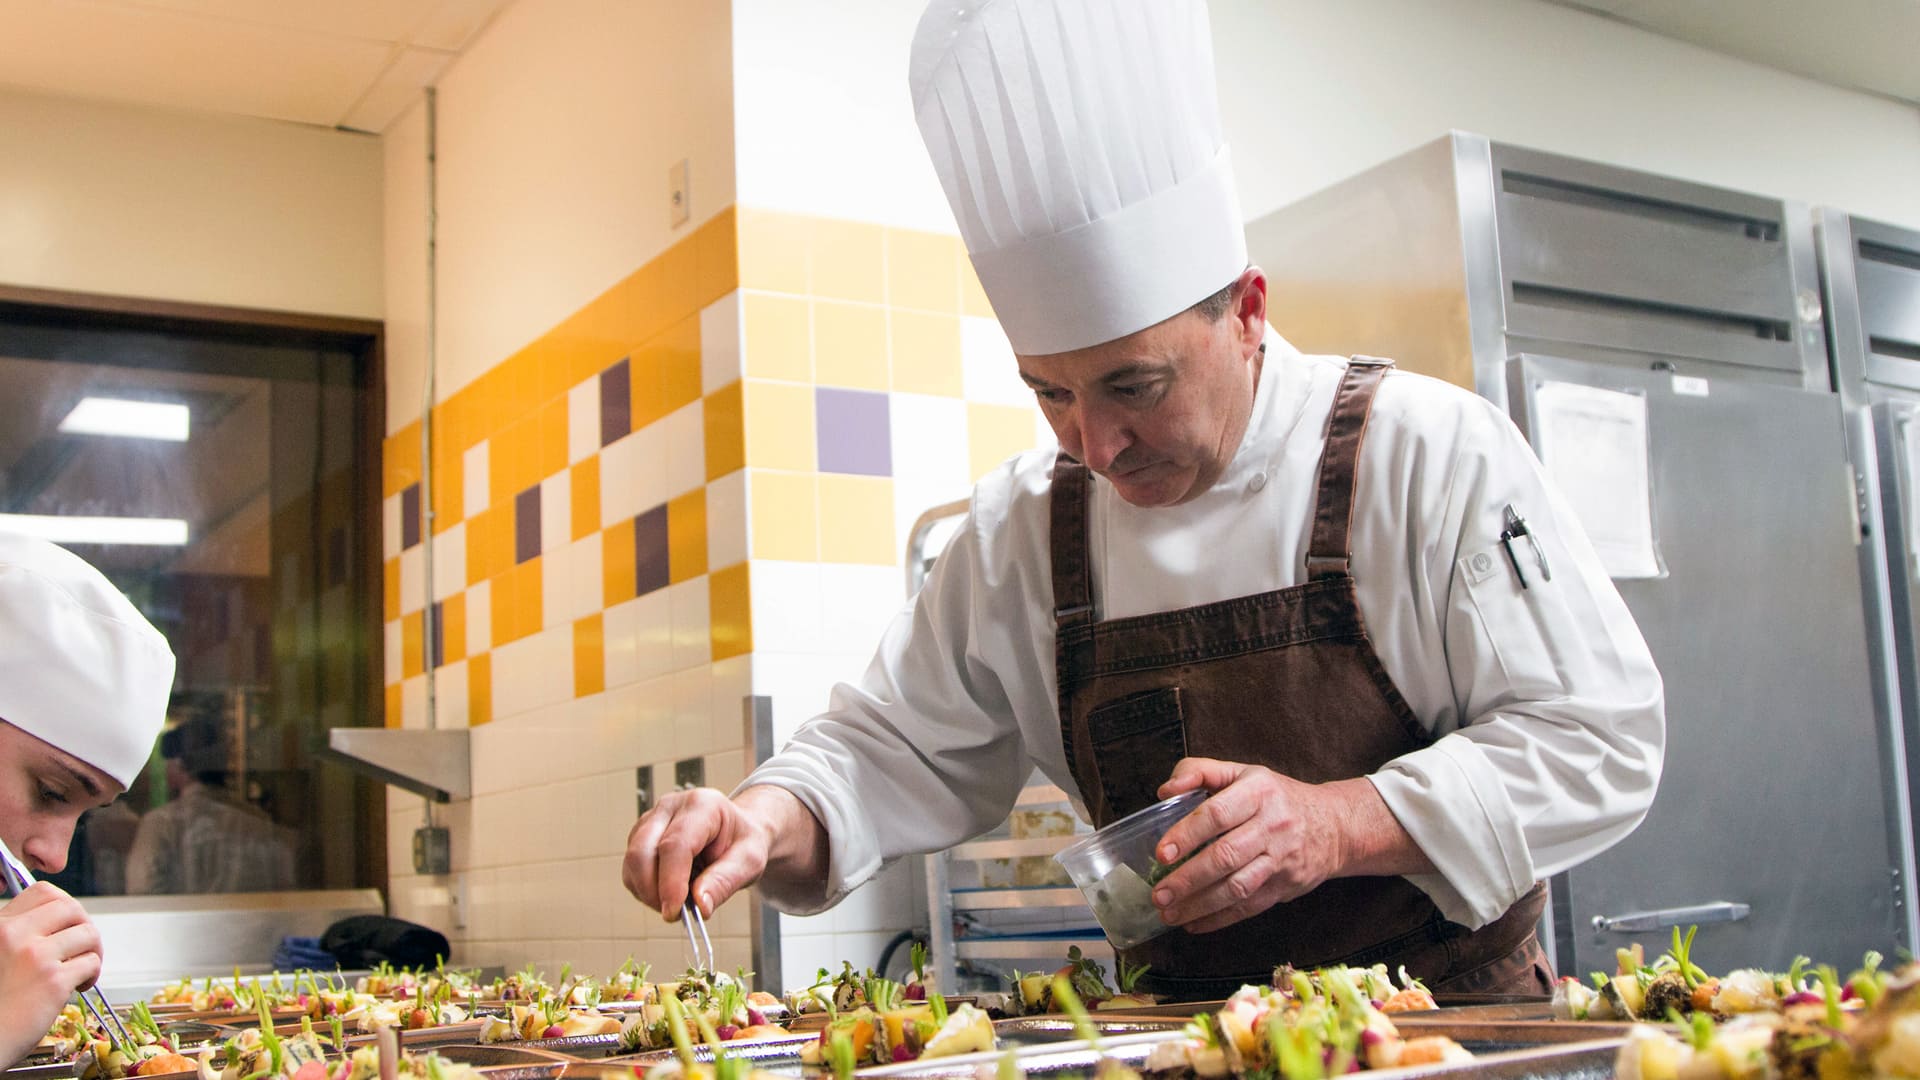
(1274, 839)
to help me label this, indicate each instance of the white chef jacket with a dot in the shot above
(1544, 703)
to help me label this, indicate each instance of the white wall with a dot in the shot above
(556, 132)
(179, 206)
(1315, 91)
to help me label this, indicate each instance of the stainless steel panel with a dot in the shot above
(152, 940)
(1774, 785)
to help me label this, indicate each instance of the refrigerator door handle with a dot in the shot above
(1641, 921)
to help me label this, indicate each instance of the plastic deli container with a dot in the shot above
(1116, 871)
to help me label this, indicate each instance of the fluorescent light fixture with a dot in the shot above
(128, 419)
(170, 532)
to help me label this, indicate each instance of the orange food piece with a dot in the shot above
(164, 1063)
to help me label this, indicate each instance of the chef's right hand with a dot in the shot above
(697, 826)
(48, 950)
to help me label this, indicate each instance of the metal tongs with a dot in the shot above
(17, 879)
(690, 918)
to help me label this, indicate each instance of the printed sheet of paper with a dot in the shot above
(1594, 445)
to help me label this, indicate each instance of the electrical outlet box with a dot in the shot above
(643, 788)
(690, 773)
(679, 195)
(432, 850)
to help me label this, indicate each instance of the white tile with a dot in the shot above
(586, 587)
(395, 652)
(653, 633)
(633, 476)
(784, 601)
(797, 685)
(684, 431)
(413, 702)
(732, 683)
(726, 769)
(620, 631)
(556, 584)
(692, 624)
(479, 482)
(864, 599)
(727, 520)
(450, 695)
(988, 371)
(803, 954)
(929, 441)
(693, 734)
(480, 618)
(583, 420)
(534, 672)
(413, 594)
(389, 526)
(556, 511)
(450, 562)
(720, 343)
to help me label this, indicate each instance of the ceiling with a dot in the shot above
(336, 63)
(1865, 45)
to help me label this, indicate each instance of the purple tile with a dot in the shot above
(852, 430)
(650, 551)
(409, 517)
(526, 525)
(616, 402)
(436, 634)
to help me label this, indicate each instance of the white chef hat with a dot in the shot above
(1079, 144)
(80, 667)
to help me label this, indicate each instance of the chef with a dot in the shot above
(84, 680)
(1340, 597)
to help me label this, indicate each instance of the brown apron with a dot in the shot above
(1286, 679)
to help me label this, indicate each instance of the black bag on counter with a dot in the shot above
(364, 941)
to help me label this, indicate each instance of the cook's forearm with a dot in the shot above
(1373, 842)
(797, 843)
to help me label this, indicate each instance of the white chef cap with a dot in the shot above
(1079, 144)
(80, 668)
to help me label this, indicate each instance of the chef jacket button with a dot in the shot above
(1259, 481)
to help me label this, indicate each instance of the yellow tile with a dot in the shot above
(996, 433)
(784, 520)
(617, 563)
(400, 460)
(393, 717)
(390, 589)
(490, 542)
(730, 612)
(726, 431)
(589, 657)
(923, 271)
(479, 689)
(774, 338)
(517, 610)
(773, 251)
(856, 520)
(926, 354)
(849, 261)
(687, 536)
(449, 487)
(528, 452)
(850, 345)
(973, 298)
(453, 628)
(780, 432)
(586, 497)
(666, 372)
(412, 645)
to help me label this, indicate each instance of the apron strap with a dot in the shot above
(1330, 551)
(1072, 553)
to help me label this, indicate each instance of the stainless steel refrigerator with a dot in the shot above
(1780, 826)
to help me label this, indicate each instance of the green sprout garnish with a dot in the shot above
(1128, 975)
(1297, 1051)
(1830, 988)
(938, 1003)
(1008, 1067)
(917, 957)
(1070, 1003)
(1690, 974)
(840, 1055)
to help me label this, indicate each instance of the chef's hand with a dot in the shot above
(762, 830)
(1274, 838)
(48, 950)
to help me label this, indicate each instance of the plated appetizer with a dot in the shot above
(1674, 988)
(890, 1030)
(1033, 991)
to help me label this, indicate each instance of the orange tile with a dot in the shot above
(586, 497)
(528, 452)
(856, 520)
(973, 298)
(773, 251)
(400, 460)
(453, 628)
(517, 610)
(390, 589)
(412, 645)
(849, 261)
(923, 271)
(666, 372)
(687, 536)
(996, 433)
(775, 340)
(726, 431)
(617, 567)
(730, 620)
(479, 689)
(783, 510)
(716, 246)
(490, 542)
(850, 345)
(780, 429)
(394, 717)
(449, 489)
(926, 354)
(589, 657)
